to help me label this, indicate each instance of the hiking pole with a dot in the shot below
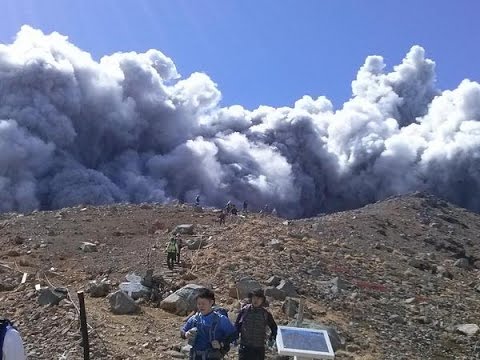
(83, 326)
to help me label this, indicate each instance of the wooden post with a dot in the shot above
(83, 326)
(300, 311)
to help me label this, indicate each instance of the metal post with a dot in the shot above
(83, 326)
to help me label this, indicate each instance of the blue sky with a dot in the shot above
(268, 52)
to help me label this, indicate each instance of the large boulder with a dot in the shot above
(244, 286)
(134, 290)
(184, 229)
(182, 301)
(274, 293)
(49, 296)
(122, 304)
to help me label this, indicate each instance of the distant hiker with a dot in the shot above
(251, 324)
(266, 209)
(221, 218)
(209, 332)
(11, 344)
(245, 206)
(274, 212)
(179, 248)
(234, 210)
(228, 207)
(197, 200)
(172, 250)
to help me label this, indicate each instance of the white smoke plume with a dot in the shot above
(130, 128)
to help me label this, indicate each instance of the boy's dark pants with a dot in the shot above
(251, 353)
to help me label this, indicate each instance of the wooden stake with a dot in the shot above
(83, 326)
(300, 312)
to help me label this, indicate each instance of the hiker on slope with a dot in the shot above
(11, 344)
(221, 218)
(245, 207)
(172, 250)
(251, 324)
(179, 248)
(209, 332)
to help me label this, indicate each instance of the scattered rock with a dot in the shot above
(184, 229)
(419, 263)
(196, 244)
(122, 304)
(49, 296)
(462, 263)
(290, 307)
(18, 240)
(12, 253)
(353, 348)
(174, 354)
(96, 289)
(88, 247)
(189, 276)
(6, 286)
(467, 329)
(396, 319)
(273, 281)
(338, 285)
(276, 244)
(288, 288)
(442, 271)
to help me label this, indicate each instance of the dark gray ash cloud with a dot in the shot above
(130, 128)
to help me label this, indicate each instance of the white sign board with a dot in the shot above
(304, 343)
(133, 284)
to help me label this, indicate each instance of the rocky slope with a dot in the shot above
(397, 279)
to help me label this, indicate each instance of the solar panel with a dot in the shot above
(304, 343)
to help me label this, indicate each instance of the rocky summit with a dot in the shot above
(398, 279)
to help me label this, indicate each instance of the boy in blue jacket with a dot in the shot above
(209, 332)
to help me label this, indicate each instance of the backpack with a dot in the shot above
(5, 325)
(172, 247)
(217, 311)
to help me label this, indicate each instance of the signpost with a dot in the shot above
(133, 285)
(83, 326)
(304, 344)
